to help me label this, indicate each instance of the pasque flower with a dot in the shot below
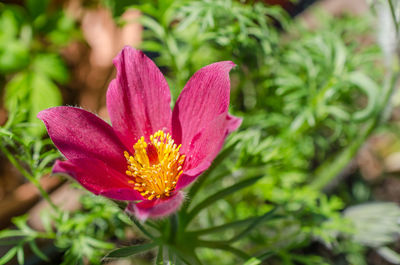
(150, 152)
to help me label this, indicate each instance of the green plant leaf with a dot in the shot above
(8, 256)
(221, 194)
(11, 233)
(389, 255)
(36, 7)
(45, 94)
(253, 224)
(37, 251)
(371, 89)
(52, 66)
(20, 255)
(253, 261)
(129, 251)
(32, 91)
(223, 227)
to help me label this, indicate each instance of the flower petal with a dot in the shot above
(138, 100)
(156, 208)
(233, 123)
(203, 149)
(80, 134)
(98, 178)
(205, 96)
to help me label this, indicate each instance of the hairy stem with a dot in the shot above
(29, 176)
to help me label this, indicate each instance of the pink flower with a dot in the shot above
(150, 153)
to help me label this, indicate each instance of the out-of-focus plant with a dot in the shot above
(309, 99)
(80, 234)
(30, 64)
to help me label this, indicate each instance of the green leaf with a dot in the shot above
(153, 25)
(46, 221)
(186, 255)
(8, 256)
(33, 92)
(375, 224)
(160, 256)
(152, 46)
(8, 21)
(98, 243)
(129, 251)
(37, 251)
(221, 228)
(52, 66)
(14, 56)
(253, 261)
(36, 7)
(389, 255)
(371, 89)
(17, 90)
(20, 255)
(11, 233)
(253, 225)
(221, 194)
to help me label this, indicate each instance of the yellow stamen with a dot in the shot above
(156, 166)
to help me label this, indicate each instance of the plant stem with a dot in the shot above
(174, 228)
(258, 173)
(223, 246)
(253, 224)
(224, 227)
(29, 176)
(160, 256)
(393, 13)
(141, 227)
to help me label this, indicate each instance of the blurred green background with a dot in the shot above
(317, 93)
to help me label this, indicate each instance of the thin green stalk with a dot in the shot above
(26, 174)
(253, 224)
(187, 255)
(223, 227)
(224, 246)
(393, 13)
(160, 256)
(221, 194)
(141, 227)
(174, 228)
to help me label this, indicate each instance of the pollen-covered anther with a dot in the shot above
(156, 166)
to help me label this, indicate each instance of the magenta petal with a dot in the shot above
(205, 96)
(203, 149)
(156, 208)
(78, 133)
(233, 123)
(191, 175)
(98, 178)
(199, 161)
(138, 100)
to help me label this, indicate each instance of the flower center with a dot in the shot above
(156, 166)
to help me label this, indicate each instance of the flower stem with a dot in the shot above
(29, 176)
(393, 13)
(174, 229)
(160, 256)
(223, 246)
(141, 227)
